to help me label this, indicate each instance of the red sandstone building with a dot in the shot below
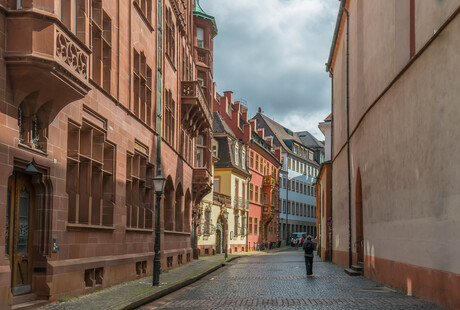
(89, 91)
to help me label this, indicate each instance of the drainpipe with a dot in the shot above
(332, 159)
(348, 138)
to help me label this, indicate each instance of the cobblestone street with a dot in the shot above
(278, 280)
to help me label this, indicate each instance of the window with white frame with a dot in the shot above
(236, 154)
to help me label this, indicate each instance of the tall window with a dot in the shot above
(200, 37)
(251, 160)
(236, 154)
(101, 44)
(207, 222)
(243, 158)
(257, 162)
(250, 226)
(90, 175)
(217, 185)
(170, 37)
(142, 88)
(200, 151)
(169, 117)
(243, 226)
(146, 8)
(251, 191)
(139, 192)
(256, 196)
(255, 225)
(237, 185)
(237, 219)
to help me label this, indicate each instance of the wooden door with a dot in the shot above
(20, 231)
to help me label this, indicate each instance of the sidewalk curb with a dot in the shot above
(175, 287)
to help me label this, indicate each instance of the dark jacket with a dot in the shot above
(305, 246)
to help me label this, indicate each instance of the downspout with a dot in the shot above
(159, 102)
(348, 138)
(332, 159)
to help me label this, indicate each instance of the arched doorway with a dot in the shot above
(169, 203)
(359, 219)
(179, 211)
(220, 236)
(188, 212)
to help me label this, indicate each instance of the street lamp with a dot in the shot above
(226, 231)
(158, 184)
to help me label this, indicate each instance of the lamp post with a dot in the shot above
(158, 184)
(226, 231)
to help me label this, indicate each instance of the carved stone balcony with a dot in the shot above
(196, 113)
(203, 57)
(201, 180)
(219, 198)
(47, 64)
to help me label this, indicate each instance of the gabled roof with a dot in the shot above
(309, 140)
(225, 153)
(282, 136)
(328, 118)
(219, 126)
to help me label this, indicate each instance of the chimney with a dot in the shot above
(229, 95)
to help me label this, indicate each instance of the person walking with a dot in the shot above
(309, 247)
(296, 243)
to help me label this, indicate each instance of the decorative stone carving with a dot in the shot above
(69, 53)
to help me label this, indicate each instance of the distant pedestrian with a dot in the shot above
(302, 241)
(296, 243)
(308, 248)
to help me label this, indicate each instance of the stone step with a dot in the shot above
(352, 272)
(357, 268)
(28, 305)
(361, 264)
(19, 299)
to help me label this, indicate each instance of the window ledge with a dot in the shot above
(72, 226)
(142, 15)
(139, 230)
(32, 149)
(171, 232)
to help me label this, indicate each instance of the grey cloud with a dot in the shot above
(272, 53)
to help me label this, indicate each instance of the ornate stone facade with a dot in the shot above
(89, 95)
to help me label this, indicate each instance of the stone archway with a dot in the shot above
(169, 201)
(220, 236)
(179, 209)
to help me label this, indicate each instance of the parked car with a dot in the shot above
(298, 236)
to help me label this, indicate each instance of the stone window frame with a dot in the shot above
(142, 89)
(139, 192)
(101, 46)
(90, 184)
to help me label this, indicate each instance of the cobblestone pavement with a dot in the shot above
(278, 280)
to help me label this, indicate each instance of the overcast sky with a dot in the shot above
(272, 54)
